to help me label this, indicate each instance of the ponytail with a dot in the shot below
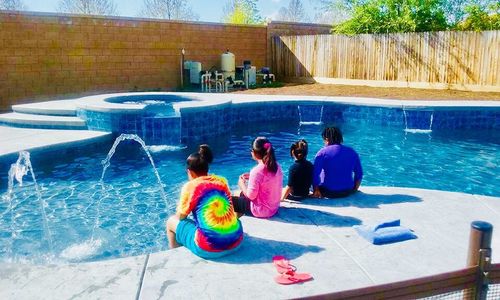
(206, 153)
(198, 162)
(265, 151)
(299, 149)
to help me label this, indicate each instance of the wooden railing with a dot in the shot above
(459, 60)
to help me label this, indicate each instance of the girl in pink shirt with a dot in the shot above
(261, 189)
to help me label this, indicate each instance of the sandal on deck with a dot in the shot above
(282, 264)
(291, 277)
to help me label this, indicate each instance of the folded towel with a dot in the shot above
(385, 233)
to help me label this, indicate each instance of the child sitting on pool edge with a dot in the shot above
(300, 173)
(261, 189)
(337, 168)
(215, 230)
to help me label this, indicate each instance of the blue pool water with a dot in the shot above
(126, 217)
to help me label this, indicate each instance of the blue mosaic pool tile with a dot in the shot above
(468, 119)
(332, 114)
(200, 126)
(161, 130)
(416, 119)
(384, 116)
(263, 112)
(205, 124)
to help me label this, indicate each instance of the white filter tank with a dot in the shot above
(227, 62)
(194, 72)
(252, 76)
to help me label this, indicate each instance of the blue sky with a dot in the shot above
(208, 10)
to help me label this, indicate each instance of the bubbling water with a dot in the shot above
(17, 171)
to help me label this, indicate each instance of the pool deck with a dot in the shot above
(316, 235)
(13, 139)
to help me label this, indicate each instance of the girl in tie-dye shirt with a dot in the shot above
(215, 230)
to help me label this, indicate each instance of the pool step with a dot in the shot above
(16, 119)
(52, 108)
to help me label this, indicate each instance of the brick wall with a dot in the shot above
(48, 56)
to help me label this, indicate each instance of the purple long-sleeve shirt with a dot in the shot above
(334, 167)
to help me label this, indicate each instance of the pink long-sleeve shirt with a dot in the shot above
(264, 191)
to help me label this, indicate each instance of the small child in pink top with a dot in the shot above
(261, 189)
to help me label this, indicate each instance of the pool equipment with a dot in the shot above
(252, 75)
(219, 82)
(266, 75)
(246, 74)
(206, 85)
(192, 71)
(215, 79)
(227, 64)
(247, 64)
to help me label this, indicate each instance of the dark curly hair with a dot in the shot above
(333, 135)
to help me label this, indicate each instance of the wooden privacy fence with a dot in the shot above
(456, 60)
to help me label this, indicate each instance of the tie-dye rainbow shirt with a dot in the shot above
(208, 198)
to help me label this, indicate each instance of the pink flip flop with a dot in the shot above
(282, 264)
(291, 277)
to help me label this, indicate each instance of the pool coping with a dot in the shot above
(99, 103)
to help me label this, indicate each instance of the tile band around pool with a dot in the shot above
(175, 117)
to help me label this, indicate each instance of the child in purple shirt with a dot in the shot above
(337, 168)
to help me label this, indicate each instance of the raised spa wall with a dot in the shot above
(211, 115)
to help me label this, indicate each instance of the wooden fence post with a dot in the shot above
(480, 255)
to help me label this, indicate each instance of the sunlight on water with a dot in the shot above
(418, 130)
(310, 123)
(164, 148)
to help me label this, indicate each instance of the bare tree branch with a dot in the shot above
(332, 11)
(168, 9)
(293, 13)
(88, 7)
(12, 5)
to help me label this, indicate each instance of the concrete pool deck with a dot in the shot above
(13, 139)
(317, 235)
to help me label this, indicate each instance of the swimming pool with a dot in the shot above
(126, 216)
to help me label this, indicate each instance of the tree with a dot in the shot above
(169, 9)
(481, 18)
(454, 10)
(293, 13)
(332, 11)
(387, 16)
(12, 5)
(88, 7)
(242, 12)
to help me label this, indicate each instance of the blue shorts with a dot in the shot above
(184, 235)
